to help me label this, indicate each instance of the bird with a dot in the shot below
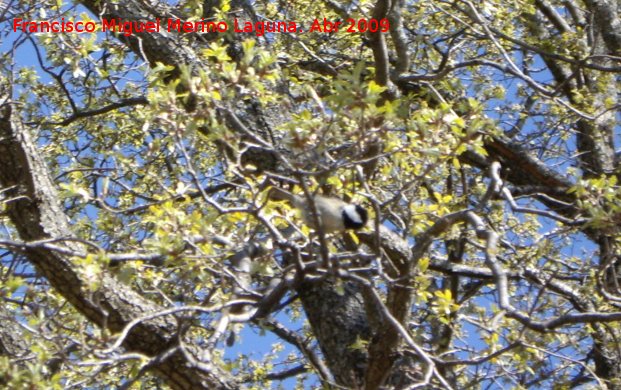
(334, 214)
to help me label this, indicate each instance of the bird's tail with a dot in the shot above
(280, 194)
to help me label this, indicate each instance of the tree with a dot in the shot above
(139, 241)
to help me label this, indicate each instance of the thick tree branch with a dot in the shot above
(608, 22)
(36, 215)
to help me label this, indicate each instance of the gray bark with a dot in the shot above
(36, 214)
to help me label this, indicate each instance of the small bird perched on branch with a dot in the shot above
(334, 214)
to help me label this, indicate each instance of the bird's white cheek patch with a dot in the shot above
(351, 212)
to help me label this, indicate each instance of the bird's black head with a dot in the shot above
(354, 216)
